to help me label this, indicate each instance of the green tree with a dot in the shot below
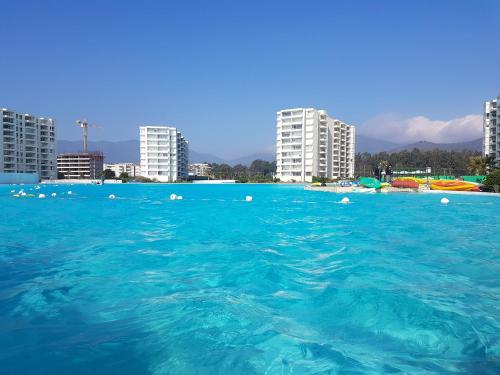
(108, 174)
(262, 168)
(259, 171)
(221, 171)
(454, 162)
(124, 176)
(492, 182)
(477, 165)
(240, 172)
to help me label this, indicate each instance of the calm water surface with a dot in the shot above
(291, 283)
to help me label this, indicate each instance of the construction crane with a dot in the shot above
(85, 126)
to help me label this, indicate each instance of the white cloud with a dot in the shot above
(420, 128)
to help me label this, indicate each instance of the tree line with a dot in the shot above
(258, 171)
(442, 162)
(457, 163)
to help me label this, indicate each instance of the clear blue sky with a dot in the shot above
(219, 70)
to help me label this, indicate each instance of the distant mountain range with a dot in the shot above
(372, 145)
(474, 145)
(128, 151)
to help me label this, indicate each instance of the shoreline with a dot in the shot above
(389, 190)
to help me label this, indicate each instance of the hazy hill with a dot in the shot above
(247, 160)
(200, 157)
(128, 151)
(371, 145)
(474, 145)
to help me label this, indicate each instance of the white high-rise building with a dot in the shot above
(310, 143)
(164, 153)
(491, 130)
(27, 144)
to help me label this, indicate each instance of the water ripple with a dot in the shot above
(291, 283)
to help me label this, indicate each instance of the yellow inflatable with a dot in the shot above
(454, 185)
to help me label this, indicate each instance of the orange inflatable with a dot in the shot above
(454, 185)
(405, 184)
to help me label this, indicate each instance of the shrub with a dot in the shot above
(108, 174)
(492, 182)
(142, 179)
(319, 179)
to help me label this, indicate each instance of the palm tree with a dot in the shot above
(477, 165)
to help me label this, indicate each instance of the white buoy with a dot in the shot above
(173, 197)
(249, 198)
(345, 200)
(37, 187)
(53, 195)
(111, 196)
(445, 201)
(41, 196)
(179, 197)
(12, 191)
(70, 192)
(22, 194)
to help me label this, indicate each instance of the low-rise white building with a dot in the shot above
(27, 144)
(311, 143)
(131, 169)
(491, 130)
(199, 169)
(164, 153)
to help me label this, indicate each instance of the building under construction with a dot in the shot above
(80, 165)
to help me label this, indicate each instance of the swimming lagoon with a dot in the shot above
(290, 283)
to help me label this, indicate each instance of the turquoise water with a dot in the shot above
(291, 283)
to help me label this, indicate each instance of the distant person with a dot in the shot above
(388, 173)
(376, 173)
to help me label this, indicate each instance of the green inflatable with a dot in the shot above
(369, 182)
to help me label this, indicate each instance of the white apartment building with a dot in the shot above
(27, 144)
(199, 169)
(310, 143)
(164, 153)
(491, 130)
(131, 169)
